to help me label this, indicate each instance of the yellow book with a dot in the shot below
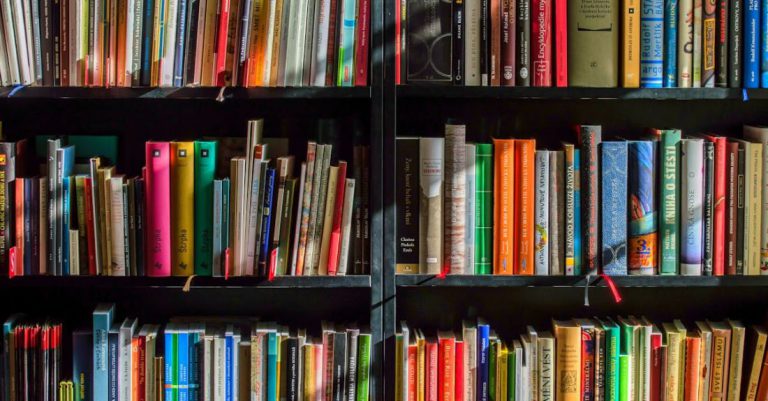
(630, 66)
(309, 373)
(674, 340)
(157, 25)
(421, 374)
(258, 39)
(209, 44)
(502, 370)
(568, 360)
(758, 341)
(182, 208)
(276, 32)
(105, 217)
(330, 201)
(737, 360)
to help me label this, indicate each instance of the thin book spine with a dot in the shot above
(542, 238)
(484, 209)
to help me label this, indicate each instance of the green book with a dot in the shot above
(224, 219)
(205, 168)
(612, 341)
(492, 353)
(511, 374)
(625, 377)
(484, 208)
(670, 202)
(626, 355)
(363, 365)
(284, 242)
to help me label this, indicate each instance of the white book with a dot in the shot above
(527, 369)
(297, 220)
(296, 35)
(517, 348)
(474, 16)
(541, 213)
(270, 39)
(125, 369)
(254, 219)
(469, 199)
(431, 219)
(455, 197)
(169, 45)
(5, 73)
(469, 330)
(33, 14)
(697, 48)
(706, 369)
(404, 374)
(319, 63)
(533, 336)
(692, 206)
(74, 253)
(220, 368)
(117, 226)
(22, 42)
(759, 134)
(133, 38)
(685, 43)
(346, 227)
(10, 41)
(546, 367)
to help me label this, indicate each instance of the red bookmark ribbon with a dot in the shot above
(612, 286)
(226, 264)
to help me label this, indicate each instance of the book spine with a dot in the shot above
(670, 207)
(523, 71)
(455, 192)
(333, 37)
(473, 16)
(205, 168)
(589, 138)
(541, 46)
(407, 251)
(630, 66)
(181, 41)
(484, 236)
(494, 32)
(485, 42)
(346, 228)
(28, 247)
(652, 44)
(336, 209)
(458, 55)
(561, 43)
(266, 223)
(114, 363)
(541, 228)
(140, 221)
(578, 253)
(221, 43)
(720, 206)
(430, 205)
(470, 208)
(709, 43)
(752, 44)
(753, 209)
(483, 362)
(524, 206)
(735, 41)
(361, 42)
(691, 206)
(670, 43)
(346, 73)
(614, 194)
(182, 207)
(763, 38)
(732, 181)
(709, 192)
(6, 203)
(556, 213)
(508, 42)
(642, 248)
(685, 44)
(158, 233)
(115, 225)
(696, 59)
(503, 222)
(570, 210)
(741, 202)
(148, 29)
(399, 43)
(588, 363)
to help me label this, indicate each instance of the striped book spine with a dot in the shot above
(541, 227)
(642, 245)
(455, 188)
(614, 177)
(570, 210)
(652, 44)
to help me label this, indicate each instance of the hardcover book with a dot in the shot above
(589, 140)
(484, 212)
(669, 213)
(692, 206)
(671, 13)
(642, 245)
(504, 218)
(205, 167)
(630, 65)
(429, 50)
(455, 191)
(524, 206)
(685, 34)
(652, 44)
(470, 209)
(541, 46)
(613, 157)
(556, 215)
(182, 207)
(541, 228)
(430, 205)
(407, 257)
(593, 42)
(158, 187)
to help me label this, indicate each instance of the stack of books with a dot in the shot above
(185, 359)
(184, 43)
(584, 359)
(177, 218)
(580, 43)
(663, 204)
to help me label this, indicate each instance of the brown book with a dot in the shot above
(508, 36)
(65, 43)
(119, 73)
(495, 33)
(330, 68)
(593, 44)
(721, 347)
(757, 348)
(731, 205)
(692, 367)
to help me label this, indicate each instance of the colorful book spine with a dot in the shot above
(670, 43)
(642, 246)
(524, 205)
(158, 189)
(612, 341)
(266, 224)
(556, 213)
(484, 239)
(721, 43)
(541, 49)
(709, 43)
(752, 44)
(697, 45)
(483, 361)
(183, 207)
(578, 253)
(685, 34)
(541, 225)
(570, 210)
(691, 206)
(630, 65)
(763, 43)
(205, 169)
(652, 44)
(669, 219)
(589, 140)
(709, 207)
(455, 192)
(346, 74)
(503, 207)
(736, 39)
(102, 322)
(183, 362)
(719, 204)
(613, 156)
(561, 43)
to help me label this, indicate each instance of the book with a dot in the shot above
(541, 44)
(593, 41)
(430, 205)
(735, 51)
(613, 176)
(756, 348)
(182, 207)
(685, 34)
(710, 42)
(571, 156)
(652, 44)
(524, 206)
(523, 34)
(556, 216)
(158, 214)
(484, 217)
(671, 13)
(407, 210)
(691, 218)
(541, 225)
(568, 350)
(669, 217)
(589, 140)
(752, 40)
(641, 249)
(630, 66)
(504, 218)
(204, 168)
(470, 209)
(455, 192)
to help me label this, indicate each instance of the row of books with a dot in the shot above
(664, 204)
(178, 219)
(626, 359)
(173, 43)
(188, 358)
(631, 44)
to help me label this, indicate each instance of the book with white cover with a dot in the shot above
(455, 193)
(22, 42)
(692, 206)
(320, 43)
(169, 44)
(117, 225)
(431, 205)
(346, 226)
(10, 41)
(541, 226)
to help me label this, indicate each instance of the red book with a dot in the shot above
(141, 346)
(541, 42)
(432, 371)
(731, 205)
(221, 42)
(158, 212)
(89, 237)
(561, 43)
(19, 199)
(508, 42)
(656, 364)
(136, 369)
(334, 247)
(412, 371)
(330, 69)
(721, 174)
(362, 39)
(588, 363)
(458, 388)
(447, 366)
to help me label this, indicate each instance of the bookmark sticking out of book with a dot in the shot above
(188, 284)
(612, 286)
(226, 264)
(744, 95)
(12, 262)
(444, 271)
(272, 265)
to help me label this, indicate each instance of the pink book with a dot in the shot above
(158, 209)
(561, 43)
(334, 247)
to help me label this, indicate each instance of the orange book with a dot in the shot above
(446, 366)
(135, 367)
(762, 388)
(258, 42)
(692, 367)
(122, 14)
(19, 226)
(412, 363)
(524, 201)
(503, 206)
(431, 370)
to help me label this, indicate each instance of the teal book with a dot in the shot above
(205, 168)
(483, 208)
(224, 218)
(102, 322)
(182, 363)
(669, 218)
(171, 364)
(363, 366)
(612, 342)
(272, 345)
(346, 75)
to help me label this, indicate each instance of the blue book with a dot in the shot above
(194, 362)
(102, 322)
(346, 74)
(169, 359)
(178, 62)
(642, 251)
(66, 194)
(229, 363)
(652, 44)
(670, 43)
(764, 44)
(224, 215)
(146, 46)
(483, 351)
(266, 222)
(182, 358)
(613, 180)
(65, 157)
(751, 44)
(577, 212)
(113, 338)
(82, 354)
(272, 366)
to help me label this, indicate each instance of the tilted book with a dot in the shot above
(614, 178)
(431, 205)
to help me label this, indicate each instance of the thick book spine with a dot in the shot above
(709, 43)
(346, 73)
(407, 248)
(752, 44)
(642, 246)
(556, 213)
(691, 206)
(561, 43)
(720, 205)
(508, 41)
(494, 32)
(205, 167)
(685, 34)
(455, 191)
(652, 44)
(523, 71)
(740, 203)
(721, 43)
(669, 219)
(735, 40)
(670, 43)
(570, 210)
(541, 230)
(431, 205)
(709, 192)
(524, 204)
(630, 66)
(541, 45)
(614, 177)
(504, 218)
(362, 35)
(183, 207)
(484, 218)
(158, 233)
(589, 140)
(457, 36)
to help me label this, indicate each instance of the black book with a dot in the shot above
(735, 19)
(523, 43)
(741, 198)
(339, 366)
(485, 43)
(721, 44)
(458, 42)
(7, 175)
(193, 10)
(709, 192)
(352, 339)
(126, 232)
(55, 61)
(139, 205)
(429, 41)
(148, 33)
(33, 203)
(407, 201)
(45, 50)
(292, 343)
(113, 355)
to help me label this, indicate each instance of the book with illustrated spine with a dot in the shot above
(613, 176)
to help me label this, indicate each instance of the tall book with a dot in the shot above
(642, 245)
(652, 44)
(753, 159)
(117, 226)
(719, 184)
(561, 43)
(431, 205)
(571, 234)
(568, 363)
(721, 348)
(589, 140)
(685, 44)
(613, 176)
(158, 228)
(407, 184)
(504, 220)
(708, 43)
(593, 43)
(731, 208)
(735, 40)
(758, 134)
(751, 78)
(541, 218)
(524, 206)
(556, 213)
(473, 16)
(508, 42)
(205, 168)
(523, 26)
(630, 65)
(691, 206)
(541, 44)
(669, 213)
(182, 207)
(737, 358)
(102, 322)
(671, 13)
(455, 190)
(722, 31)
(470, 191)
(484, 209)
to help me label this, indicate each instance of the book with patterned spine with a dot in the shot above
(455, 187)
(642, 247)
(652, 43)
(556, 215)
(613, 157)
(541, 230)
